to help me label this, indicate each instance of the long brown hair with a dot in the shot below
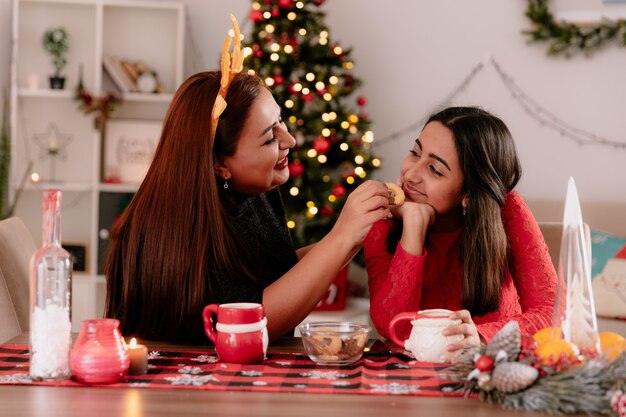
(491, 170)
(163, 250)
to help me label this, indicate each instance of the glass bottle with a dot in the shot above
(50, 293)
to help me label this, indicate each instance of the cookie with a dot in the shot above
(396, 195)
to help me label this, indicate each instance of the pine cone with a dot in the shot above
(511, 377)
(508, 339)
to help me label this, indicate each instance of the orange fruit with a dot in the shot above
(550, 352)
(547, 334)
(612, 344)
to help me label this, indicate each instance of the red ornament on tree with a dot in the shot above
(285, 4)
(308, 98)
(339, 190)
(361, 101)
(256, 16)
(327, 211)
(275, 12)
(321, 145)
(279, 79)
(296, 168)
(318, 2)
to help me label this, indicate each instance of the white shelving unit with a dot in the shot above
(136, 30)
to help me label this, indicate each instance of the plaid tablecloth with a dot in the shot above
(397, 374)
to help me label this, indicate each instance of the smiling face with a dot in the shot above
(260, 160)
(431, 173)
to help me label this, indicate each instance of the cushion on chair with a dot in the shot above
(16, 248)
(9, 326)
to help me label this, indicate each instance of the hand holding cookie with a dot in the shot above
(396, 195)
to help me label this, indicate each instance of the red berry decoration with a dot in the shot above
(528, 343)
(361, 101)
(485, 363)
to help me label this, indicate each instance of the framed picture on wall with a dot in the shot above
(128, 149)
(78, 252)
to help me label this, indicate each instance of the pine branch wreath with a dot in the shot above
(567, 38)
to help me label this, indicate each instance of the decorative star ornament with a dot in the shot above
(52, 143)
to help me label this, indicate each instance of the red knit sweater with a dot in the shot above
(402, 282)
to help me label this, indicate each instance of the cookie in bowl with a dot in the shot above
(334, 343)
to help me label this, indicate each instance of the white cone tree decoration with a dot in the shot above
(575, 314)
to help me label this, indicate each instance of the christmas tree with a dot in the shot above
(310, 76)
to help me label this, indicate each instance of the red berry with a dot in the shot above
(485, 363)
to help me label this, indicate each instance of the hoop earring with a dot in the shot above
(226, 184)
(464, 211)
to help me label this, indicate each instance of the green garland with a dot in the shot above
(568, 38)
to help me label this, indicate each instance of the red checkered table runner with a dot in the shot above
(280, 372)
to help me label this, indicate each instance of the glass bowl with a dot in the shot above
(334, 343)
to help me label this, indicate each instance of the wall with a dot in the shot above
(412, 54)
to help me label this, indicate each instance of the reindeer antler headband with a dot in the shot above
(230, 67)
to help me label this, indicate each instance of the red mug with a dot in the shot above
(240, 333)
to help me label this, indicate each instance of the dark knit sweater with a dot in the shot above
(260, 223)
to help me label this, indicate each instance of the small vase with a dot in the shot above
(99, 355)
(57, 83)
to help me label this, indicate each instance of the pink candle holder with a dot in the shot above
(99, 355)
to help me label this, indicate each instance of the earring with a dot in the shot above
(464, 210)
(226, 183)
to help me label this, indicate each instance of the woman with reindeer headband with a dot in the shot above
(463, 240)
(207, 224)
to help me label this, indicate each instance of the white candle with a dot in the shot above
(53, 144)
(138, 358)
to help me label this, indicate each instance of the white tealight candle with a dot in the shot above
(138, 358)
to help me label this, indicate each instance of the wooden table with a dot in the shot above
(26, 401)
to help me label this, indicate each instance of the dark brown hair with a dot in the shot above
(164, 248)
(491, 169)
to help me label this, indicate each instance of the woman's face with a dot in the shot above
(260, 160)
(431, 173)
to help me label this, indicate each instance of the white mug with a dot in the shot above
(426, 341)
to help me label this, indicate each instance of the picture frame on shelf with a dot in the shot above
(129, 148)
(78, 251)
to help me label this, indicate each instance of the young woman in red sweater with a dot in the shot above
(463, 240)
